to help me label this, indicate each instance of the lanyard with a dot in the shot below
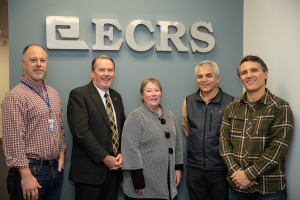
(47, 100)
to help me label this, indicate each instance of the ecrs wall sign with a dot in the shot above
(69, 36)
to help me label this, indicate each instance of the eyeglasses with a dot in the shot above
(162, 121)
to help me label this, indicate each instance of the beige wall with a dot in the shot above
(4, 73)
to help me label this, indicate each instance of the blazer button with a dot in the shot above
(170, 151)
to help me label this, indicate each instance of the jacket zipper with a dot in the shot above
(204, 138)
(210, 120)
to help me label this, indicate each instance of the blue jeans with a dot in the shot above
(47, 176)
(235, 195)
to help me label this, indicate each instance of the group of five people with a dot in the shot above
(236, 148)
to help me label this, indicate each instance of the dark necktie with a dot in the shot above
(110, 113)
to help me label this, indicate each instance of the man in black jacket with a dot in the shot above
(202, 114)
(96, 117)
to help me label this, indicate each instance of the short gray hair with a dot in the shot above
(208, 63)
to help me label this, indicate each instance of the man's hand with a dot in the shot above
(29, 184)
(240, 179)
(251, 184)
(113, 163)
(178, 175)
(118, 164)
(61, 161)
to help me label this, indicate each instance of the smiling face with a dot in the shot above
(207, 80)
(152, 95)
(253, 77)
(103, 73)
(35, 63)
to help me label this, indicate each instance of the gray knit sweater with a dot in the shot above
(145, 146)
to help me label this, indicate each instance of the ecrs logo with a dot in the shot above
(71, 34)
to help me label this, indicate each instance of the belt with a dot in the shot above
(53, 162)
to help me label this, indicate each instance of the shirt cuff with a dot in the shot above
(250, 174)
(137, 178)
(179, 167)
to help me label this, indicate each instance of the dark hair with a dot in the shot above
(27, 47)
(104, 57)
(252, 58)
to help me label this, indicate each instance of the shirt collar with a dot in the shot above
(209, 100)
(101, 92)
(265, 98)
(33, 84)
(216, 99)
(155, 113)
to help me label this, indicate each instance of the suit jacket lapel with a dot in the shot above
(98, 102)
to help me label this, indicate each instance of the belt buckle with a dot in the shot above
(52, 162)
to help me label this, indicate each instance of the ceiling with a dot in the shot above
(3, 18)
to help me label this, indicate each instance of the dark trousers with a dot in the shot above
(47, 176)
(128, 198)
(207, 184)
(108, 190)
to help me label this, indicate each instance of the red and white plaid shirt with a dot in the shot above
(25, 125)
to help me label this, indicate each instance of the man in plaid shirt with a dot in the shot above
(33, 135)
(255, 135)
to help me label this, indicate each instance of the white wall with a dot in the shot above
(271, 31)
(4, 74)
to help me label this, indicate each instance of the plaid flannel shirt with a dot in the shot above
(255, 138)
(25, 126)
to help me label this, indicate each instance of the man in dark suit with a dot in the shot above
(96, 159)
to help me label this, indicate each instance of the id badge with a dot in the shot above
(51, 124)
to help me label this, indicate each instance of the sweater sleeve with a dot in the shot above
(138, 178)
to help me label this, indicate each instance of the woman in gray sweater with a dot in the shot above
(151, 148)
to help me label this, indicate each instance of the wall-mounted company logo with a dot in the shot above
(69, 36)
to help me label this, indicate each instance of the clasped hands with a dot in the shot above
(241, 181)
(113, 163)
